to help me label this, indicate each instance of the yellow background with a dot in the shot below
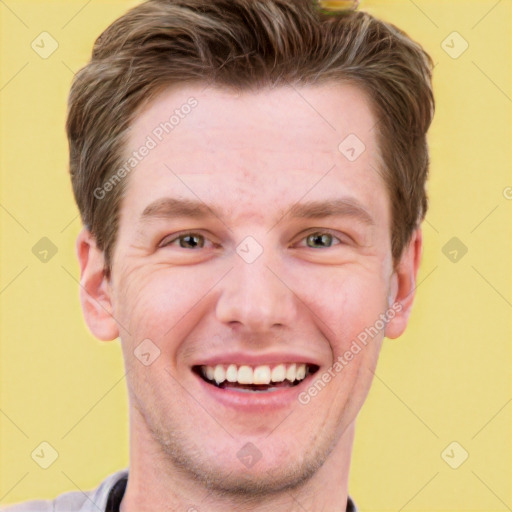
(447, 379)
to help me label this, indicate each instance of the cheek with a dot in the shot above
(348, 301)
(161, 303)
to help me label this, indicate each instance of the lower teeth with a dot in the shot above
(247, 388)
(242, 390)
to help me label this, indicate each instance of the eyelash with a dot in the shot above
(178, 236)
(193, 233)
(323, 232)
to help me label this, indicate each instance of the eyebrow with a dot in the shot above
(345, 207)
(168, 207)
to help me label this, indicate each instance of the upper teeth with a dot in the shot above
(263, 374)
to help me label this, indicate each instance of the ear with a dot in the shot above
(95, 291)
(403, 286)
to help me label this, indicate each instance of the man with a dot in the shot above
(251, 180)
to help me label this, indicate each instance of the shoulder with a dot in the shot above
(74, 501)
(32, 506)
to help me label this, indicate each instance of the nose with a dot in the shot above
(256, 296)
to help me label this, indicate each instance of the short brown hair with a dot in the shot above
(247, 44)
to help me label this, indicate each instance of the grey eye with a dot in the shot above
(319, 240)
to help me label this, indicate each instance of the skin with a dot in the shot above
(251, 156)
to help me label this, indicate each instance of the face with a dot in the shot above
(253, 251)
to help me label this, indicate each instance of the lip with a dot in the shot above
(240, 358)
(254, 402)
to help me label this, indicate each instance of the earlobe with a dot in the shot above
(95, 293)
(403, 286)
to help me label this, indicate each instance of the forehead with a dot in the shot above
(243, 149)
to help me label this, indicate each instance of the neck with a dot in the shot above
(156, 483)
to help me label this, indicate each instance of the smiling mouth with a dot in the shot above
(261, 378)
